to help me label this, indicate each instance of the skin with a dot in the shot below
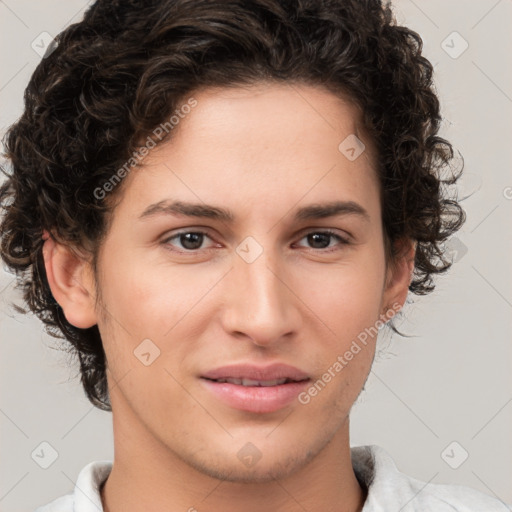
(261, 151)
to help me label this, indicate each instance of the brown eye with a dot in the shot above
(322, 239)
(189, 240)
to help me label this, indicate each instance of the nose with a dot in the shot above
(259, 301)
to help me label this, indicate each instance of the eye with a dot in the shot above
(189, 240)
(322, 239)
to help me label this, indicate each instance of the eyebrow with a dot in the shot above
(201, 210)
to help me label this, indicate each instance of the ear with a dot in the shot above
(70, 278)
(398, 277)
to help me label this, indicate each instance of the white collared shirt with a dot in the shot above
(389, 490)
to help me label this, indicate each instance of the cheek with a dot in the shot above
(142, 296)
(346, 302)
(158, 303)
(345, 296)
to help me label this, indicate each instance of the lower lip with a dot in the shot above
(259, 399)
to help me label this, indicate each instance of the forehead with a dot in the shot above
(268, 111)
(257, 145)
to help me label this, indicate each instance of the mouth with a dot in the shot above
(255, 389)
(259, 383)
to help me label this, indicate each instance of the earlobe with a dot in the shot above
(70, 281)
(399, 276)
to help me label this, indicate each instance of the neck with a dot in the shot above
(147, 475)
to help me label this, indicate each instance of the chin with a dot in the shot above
(235, 472)
(267, 466)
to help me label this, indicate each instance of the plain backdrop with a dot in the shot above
(431, 400)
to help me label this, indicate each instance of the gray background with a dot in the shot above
(449, 383)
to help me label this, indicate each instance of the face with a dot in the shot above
(278, 283)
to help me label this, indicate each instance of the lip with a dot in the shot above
(256, 399)
(250, 371)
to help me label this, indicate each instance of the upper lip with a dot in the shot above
(249, 371)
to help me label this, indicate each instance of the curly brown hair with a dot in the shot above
(125, 68)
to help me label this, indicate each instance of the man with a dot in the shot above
(220, 204)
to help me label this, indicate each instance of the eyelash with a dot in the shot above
(165, 242)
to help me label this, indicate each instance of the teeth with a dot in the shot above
(250, 382)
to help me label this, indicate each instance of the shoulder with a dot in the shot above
(86, 494)
(389, 489)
